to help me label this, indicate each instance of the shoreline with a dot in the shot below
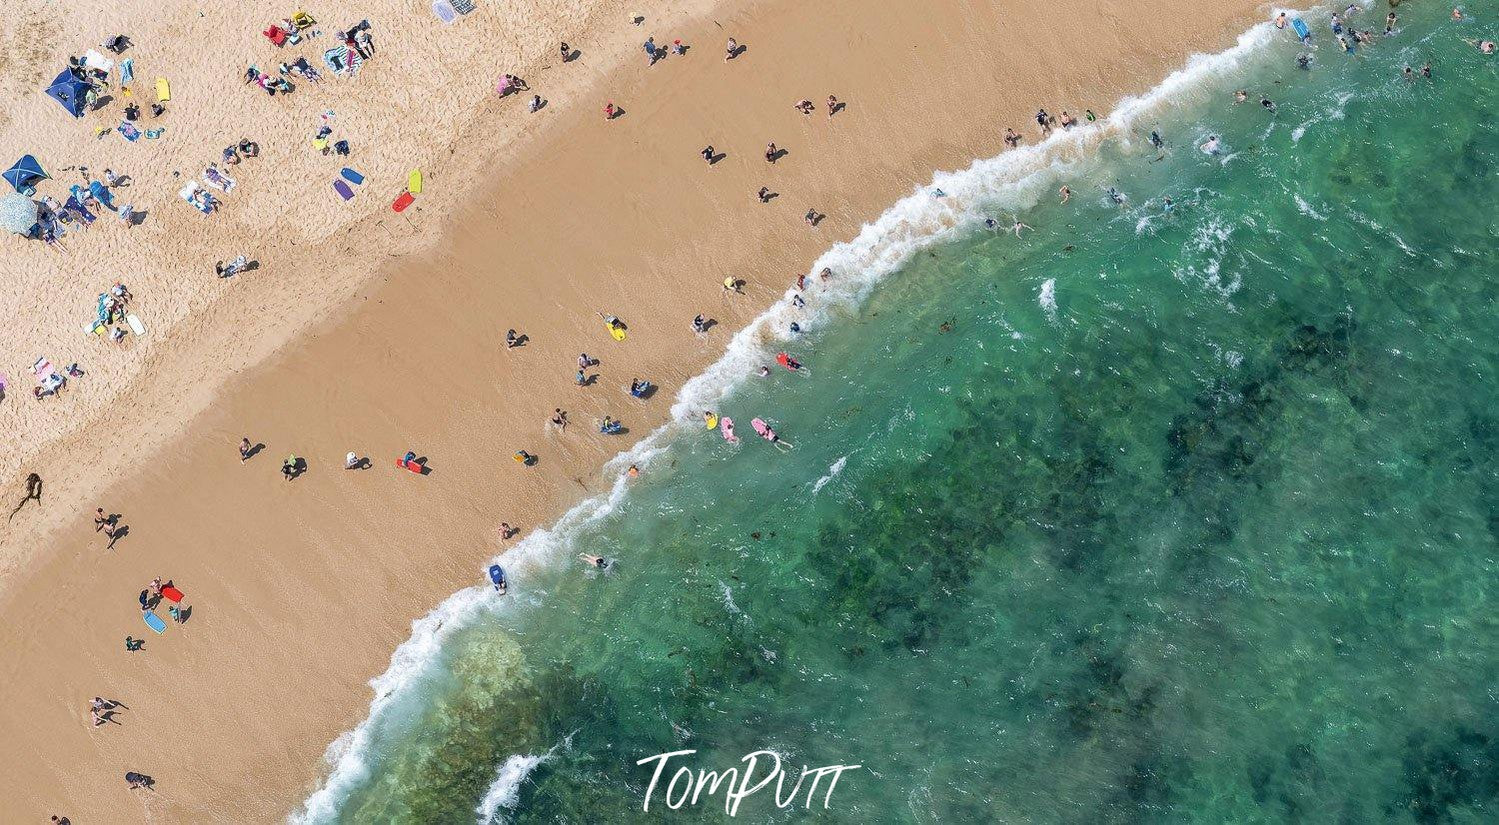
(874, 260)
(343, 523)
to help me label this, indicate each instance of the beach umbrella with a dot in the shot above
(18, 213)
(69, 90)
(24, 175)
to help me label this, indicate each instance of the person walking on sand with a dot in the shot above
(708, 153)
(763, 194)
(244, 449)
(832, 105)
(731, 50)
(805, 106)
(609, 110)
(771, 153)
(289, 467)
(559, 419)
(567, 52)
(33, 493)
(1012, 138)
(139, 780)
(102, 521)
(1044, 121)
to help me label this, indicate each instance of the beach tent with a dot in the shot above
(24, 175)
(18, 213)
(68, 90)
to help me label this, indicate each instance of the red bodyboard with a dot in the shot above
(402, 201)
(172, 594)
(409, 465)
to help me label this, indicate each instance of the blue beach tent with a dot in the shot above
(68, 90)
(25, 174)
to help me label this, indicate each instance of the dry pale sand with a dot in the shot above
(301, 589)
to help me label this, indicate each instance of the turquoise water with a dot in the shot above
(1140, 517)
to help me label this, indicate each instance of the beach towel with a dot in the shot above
(128, 129)
(153, 134)
(76, 205)
(444, 11)
(127, 72)
(94, 60)
(218, 179)
(462, 6)
(101, 193)
(42, 368)
(194, 194)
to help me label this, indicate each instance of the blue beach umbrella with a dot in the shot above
(25, 174)
(69, 90)
(18, 213)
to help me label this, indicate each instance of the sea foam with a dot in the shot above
(1014, 180)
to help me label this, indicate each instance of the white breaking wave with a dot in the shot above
(833, 471)
(1014, 181)
(504, 791)
(1048, 298)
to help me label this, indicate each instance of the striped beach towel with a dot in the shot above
(462, 6)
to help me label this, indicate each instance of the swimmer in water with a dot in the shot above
(1066, 193)
(1019, 226)
(796, 301)
(1268, 104)
(1116, 196)
(1155, 140)
(596, 562)
(1280, 20)
(990, 223)
(1166, 204)
(764, 371)
(1211, 146)
(1241, 95)
(1304, 61)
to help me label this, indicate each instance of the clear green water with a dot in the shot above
(1211, 540)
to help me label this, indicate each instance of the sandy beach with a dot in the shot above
(379, 333)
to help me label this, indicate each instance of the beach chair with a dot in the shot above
(302, 20)
(276, 34)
